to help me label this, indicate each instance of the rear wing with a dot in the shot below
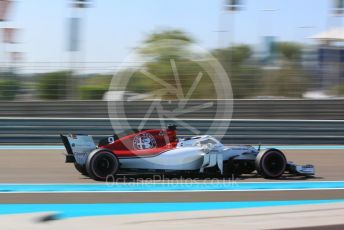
(78, 147)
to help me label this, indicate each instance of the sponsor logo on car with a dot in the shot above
(144, 141)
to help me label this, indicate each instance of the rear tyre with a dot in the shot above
(81, 169)
(271, 163)
(102, 164)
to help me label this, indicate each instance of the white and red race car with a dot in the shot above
(159, 150)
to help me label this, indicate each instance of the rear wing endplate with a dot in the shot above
(78, 147)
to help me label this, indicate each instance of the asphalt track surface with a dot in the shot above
(307, 217)
(47, 166)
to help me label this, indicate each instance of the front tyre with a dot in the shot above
(101, 164)
(271, 163)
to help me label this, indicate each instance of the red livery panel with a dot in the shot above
(142, 143)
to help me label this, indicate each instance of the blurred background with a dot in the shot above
(284, 59)
(69, 50)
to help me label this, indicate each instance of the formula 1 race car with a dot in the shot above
(159, 150)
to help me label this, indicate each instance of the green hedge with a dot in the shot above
(94, 87)
(337, 90)
(92, 92)
(53, 86)
(8, 89)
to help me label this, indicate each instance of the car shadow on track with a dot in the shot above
(282, 178)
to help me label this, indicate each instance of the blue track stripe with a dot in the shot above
(81, 210)
(165, 187)
(286, 147)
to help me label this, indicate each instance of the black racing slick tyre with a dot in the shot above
(102, 164)
(271, 163)
(81, 169)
